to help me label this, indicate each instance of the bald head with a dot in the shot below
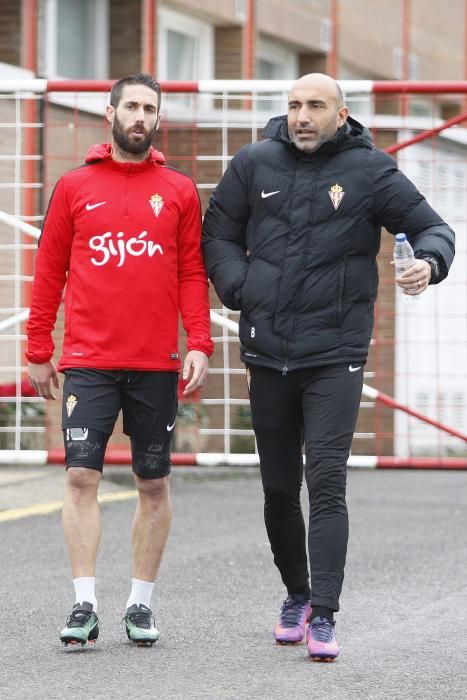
(322, 82)
(315, 112)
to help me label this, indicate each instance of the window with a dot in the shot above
(241, 10)
(458, 404)
(181, 55)
(186, 51)
(424, 179)
(325, 35)
(458, 190)
(186, 47)
(413, 66)
(74, 39)
(275, 61)
(361, 106)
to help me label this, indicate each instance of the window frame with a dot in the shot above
(201, 31)
(279, 54)
(287, 60)
(203, 34)
(100, 40)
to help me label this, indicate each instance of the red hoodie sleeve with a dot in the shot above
(192, 278)
(51, 267)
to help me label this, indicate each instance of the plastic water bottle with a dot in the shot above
(403, 259)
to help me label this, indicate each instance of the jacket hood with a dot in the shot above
(103, 151)
(351, 135)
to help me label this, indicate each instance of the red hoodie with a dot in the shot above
(125, 237)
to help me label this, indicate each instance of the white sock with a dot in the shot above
(141, 592)
(85, 590)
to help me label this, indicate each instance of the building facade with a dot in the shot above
(201, 39)
(191, 40)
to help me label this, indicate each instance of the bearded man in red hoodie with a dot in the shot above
(123, 232)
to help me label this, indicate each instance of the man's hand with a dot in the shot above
(40, 377)
(196, 364)
(416, 279)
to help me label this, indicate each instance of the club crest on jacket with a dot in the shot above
(156, 203)
(337, 194)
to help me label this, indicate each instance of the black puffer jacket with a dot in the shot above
(291, 239)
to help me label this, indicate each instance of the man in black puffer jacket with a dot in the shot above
(290, 238)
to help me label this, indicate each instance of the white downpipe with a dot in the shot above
(13, 320)
(224, 322)
(219, 320)
(21, 225)
(32, 231)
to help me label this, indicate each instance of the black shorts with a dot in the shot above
(92, 400)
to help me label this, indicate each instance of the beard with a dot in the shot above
(125, 143)
(307, 147)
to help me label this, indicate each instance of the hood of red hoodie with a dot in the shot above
(103, 151)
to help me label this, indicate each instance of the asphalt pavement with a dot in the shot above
(402, 626)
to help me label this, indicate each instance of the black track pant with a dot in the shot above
(318, 407)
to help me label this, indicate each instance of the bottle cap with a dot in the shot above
(401, 237)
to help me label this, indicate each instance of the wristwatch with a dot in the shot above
(434, 264)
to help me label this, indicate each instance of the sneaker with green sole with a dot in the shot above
(140, 625)
(82, 625)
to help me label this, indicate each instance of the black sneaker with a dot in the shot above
(140, 625)
(81, 626)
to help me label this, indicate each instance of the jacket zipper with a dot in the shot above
(340, 291)
(125, 194)
(285, 369)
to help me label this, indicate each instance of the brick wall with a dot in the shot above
(296, 24)
(10, 32)
(369, 31)
(228, 53)
(125, 37)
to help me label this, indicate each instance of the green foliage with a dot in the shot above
(32, 416)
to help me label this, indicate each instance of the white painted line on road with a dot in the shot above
(54, 506)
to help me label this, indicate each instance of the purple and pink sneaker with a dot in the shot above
(292, 620)
(321, 640)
